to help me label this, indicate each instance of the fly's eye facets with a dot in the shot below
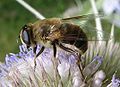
(26, 37)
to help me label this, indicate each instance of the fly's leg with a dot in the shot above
(65, 48)
(36, 55)
(54, 50)
(73, 51)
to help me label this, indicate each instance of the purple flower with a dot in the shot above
(64, 70)
(114, 82)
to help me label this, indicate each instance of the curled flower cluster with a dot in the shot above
(62, 71)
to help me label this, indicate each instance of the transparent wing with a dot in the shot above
(93, 33)
(87, 24)
(85, 17)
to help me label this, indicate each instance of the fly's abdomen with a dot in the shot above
(74, 35)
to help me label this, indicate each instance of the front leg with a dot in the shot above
(54, 49)
(36, 55)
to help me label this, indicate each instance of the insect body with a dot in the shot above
(54, 32)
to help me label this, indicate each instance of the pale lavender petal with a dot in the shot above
(115, 81)
(98, 79)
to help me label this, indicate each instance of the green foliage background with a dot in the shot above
(13, 16)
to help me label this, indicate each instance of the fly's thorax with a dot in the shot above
(40, 39)
(43, 29)
(49, 21)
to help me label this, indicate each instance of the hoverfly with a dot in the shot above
(54, 32)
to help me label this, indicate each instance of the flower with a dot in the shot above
(114, 82)
(96, 67)
(112, 8)
(18, 69)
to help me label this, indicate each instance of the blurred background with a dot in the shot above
(13, 16)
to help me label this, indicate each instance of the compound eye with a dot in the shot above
(25, 37)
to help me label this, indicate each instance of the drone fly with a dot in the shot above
(54, 32)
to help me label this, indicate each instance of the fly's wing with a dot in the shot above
(93, 33)
(85, 17)
(87, 24)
